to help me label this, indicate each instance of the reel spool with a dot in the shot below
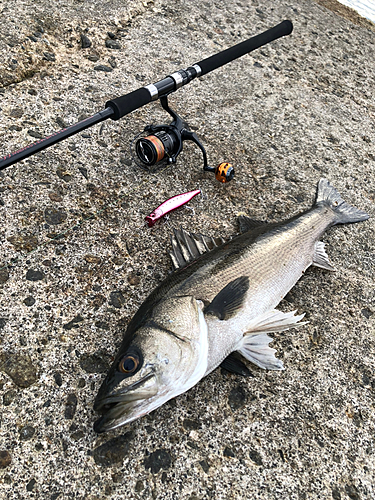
(163, 143)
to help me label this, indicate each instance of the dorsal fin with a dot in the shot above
(247, 224)
(187, 247)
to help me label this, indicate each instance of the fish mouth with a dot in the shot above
(125, 405)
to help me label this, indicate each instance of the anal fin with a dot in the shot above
(320, 258)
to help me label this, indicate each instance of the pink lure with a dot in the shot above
(169, 205)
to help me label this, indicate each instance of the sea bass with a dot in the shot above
(220, 300)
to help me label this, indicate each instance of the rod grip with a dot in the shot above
(224, 57)
(125, 104)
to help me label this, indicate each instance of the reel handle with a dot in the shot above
(187, 135)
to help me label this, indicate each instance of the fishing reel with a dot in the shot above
(163, 143)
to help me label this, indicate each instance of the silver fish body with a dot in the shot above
(215, 303)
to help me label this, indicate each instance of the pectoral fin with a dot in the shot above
(229, 299)
(233, 364)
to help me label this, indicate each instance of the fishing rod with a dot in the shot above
(163, 142)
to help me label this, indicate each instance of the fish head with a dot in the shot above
(166, 356)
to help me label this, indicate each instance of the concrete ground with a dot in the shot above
(76, 259)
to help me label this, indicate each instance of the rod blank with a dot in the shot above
(31, 149)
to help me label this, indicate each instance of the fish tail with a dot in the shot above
(344, 213)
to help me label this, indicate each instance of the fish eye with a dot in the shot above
(128, 364)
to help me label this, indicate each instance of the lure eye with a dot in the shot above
(128, 364)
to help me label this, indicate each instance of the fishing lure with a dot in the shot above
(169, 205)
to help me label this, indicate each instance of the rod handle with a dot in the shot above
(242, 48)
(125, 104)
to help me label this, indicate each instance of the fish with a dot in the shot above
(217, 308)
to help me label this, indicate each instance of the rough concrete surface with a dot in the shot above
(77, 260)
